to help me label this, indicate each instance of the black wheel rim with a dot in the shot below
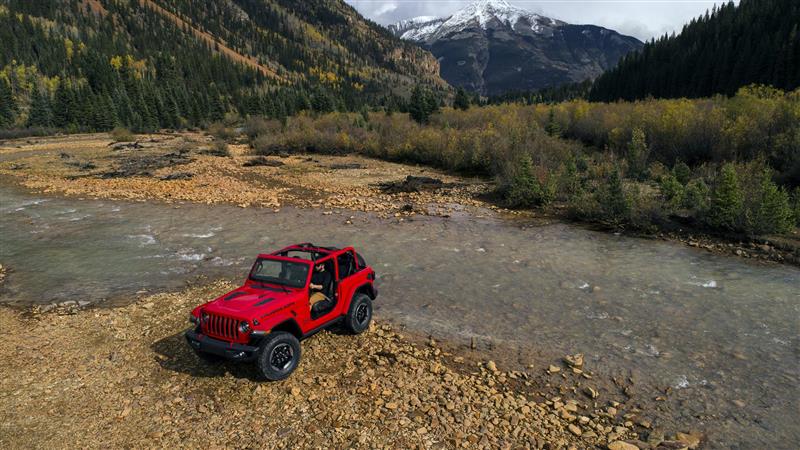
(362, 314)
(281, 356)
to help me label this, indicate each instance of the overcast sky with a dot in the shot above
(640, 18)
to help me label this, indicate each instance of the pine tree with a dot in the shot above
(552, 128)
(696, 196)
(7, 104)
(525, 190)
(754, 42)
(613, 200)
(422, 105)
(773, 212)
(638, 153)
(727, 201)
(64, 106)
(462, 100)
(40, 114)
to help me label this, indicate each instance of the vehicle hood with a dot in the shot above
(252, 301)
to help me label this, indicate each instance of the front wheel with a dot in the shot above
(279, 356)
(359, 315)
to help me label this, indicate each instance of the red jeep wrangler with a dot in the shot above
(289, 295)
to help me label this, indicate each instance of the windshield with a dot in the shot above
(286, 273)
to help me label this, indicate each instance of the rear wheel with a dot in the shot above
(359, 315)
(278, 356)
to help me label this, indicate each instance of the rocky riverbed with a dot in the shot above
(181, 167)
(124, 377)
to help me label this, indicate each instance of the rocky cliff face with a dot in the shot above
(492, 47)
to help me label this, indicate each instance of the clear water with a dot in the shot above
(713, 329)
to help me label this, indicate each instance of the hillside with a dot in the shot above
(730, 47)
(492, 47)
(94, 64)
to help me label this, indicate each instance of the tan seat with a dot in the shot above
(315, 298)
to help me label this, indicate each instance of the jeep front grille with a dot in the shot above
(221, 326)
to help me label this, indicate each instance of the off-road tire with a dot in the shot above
(359, 315)
(278, 356)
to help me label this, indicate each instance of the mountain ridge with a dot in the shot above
(88, 65)
(492, 47)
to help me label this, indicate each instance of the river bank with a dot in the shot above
(180, 167)
(125, 377)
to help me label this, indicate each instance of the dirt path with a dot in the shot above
(125, 378)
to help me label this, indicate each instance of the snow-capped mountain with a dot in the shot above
(416, 28)
(492, 46)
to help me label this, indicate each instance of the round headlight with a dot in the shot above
(244, 327)
(193, 319)
(204, 317)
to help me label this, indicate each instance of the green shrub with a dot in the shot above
(672, 191)
(120, 134)
(645, 211)
(583, 205)
(657, 171)
(696, 196)
(219, 148)
(796, 206)
(221, 132)
(255, 126)
(265, 144)
(682, 172)
(727, 201)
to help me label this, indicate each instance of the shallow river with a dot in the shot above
(722, 334)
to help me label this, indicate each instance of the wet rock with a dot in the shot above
(575, 361)
(263, 161)
(115, 147)
(590, 392)
(671, 445)
(691, 439)
(177, 176)
(82, 165)
(412, 184)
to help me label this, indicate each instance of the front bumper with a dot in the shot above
(228, 350)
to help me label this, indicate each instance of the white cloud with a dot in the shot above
(385, 8)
